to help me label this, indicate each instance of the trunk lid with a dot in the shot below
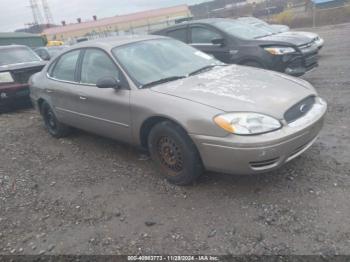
(21, 72)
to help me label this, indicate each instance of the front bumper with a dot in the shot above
(301, 65)
(319, 43)
(261, 153)
(298, 63)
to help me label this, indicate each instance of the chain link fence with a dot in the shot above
(128, 30)
(294, 13)
(312, 16)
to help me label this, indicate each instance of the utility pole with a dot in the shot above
(47, 12)
(38, 19)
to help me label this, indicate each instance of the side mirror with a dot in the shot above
(46, 57)
(108, 82)
(218, 41)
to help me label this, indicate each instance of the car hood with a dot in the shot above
(297, 40)
(238, 88)
(280, 28)
(309, 35)
(22, 66)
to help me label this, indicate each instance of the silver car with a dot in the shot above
(282, 30)
(192, 112)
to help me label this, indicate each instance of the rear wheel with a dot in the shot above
(174, 153)
(55, 128)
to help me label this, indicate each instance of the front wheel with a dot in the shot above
(174, 153)
(55, 128)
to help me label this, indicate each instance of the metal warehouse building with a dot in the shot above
(136, 23)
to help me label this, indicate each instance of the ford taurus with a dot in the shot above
(192, 112)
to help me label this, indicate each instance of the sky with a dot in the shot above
(15, 14)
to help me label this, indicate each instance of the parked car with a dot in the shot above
(46, 53)
(232, 41)
(17, 64)
(191, 111)
(271, 10)
(282, 30)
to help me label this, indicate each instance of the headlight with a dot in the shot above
(275, 50)
(247, 123)
(6, 77)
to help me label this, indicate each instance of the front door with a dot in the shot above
(105, 111)
(62, 89)
(201, 37)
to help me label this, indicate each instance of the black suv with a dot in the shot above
(232, 41)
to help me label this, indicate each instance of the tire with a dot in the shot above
(253, 64)
(174, 153)
(55, 128)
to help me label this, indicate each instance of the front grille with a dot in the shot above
(300, 109)
(305, 46)
(264, 163)
(22, 76)
(310, 55)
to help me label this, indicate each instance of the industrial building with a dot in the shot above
(136, 23)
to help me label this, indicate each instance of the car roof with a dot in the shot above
(209, 21)
(12, 46)
(111, 42)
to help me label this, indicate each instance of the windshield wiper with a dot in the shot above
(205, 68)
(162, 81)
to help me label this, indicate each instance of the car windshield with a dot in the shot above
(259, 24)
(161, 59)
(241, 29)
(17, 55)
(267, 28)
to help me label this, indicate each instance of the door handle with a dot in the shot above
(49, 91)
(82, 98)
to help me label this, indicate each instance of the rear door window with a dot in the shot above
(65, 67)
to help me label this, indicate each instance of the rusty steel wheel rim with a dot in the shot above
(170, 154)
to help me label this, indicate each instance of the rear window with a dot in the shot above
(17, 55)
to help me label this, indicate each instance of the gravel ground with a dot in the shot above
(90, 195)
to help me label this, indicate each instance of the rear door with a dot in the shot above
(201, 37)
(62, 88)
(105, 111)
